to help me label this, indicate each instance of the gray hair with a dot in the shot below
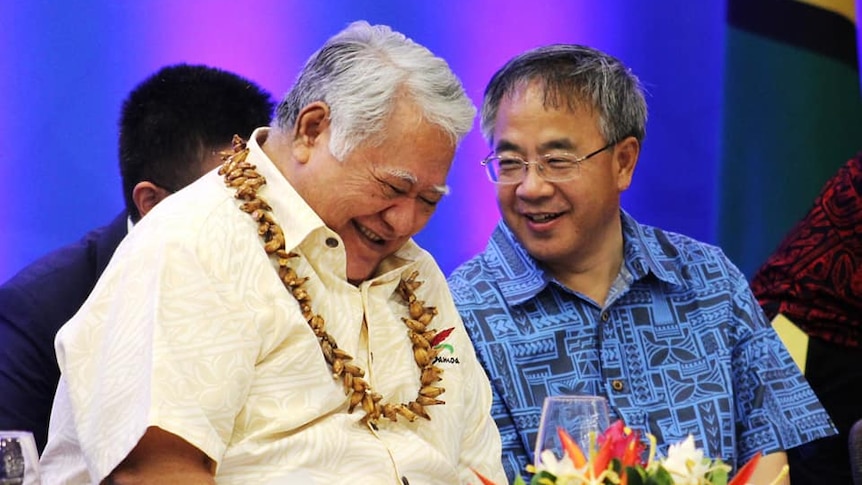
(571, 75)
(362, 72)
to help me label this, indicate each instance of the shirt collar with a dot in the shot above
(645, 250)
(295, 216)
(299, 220)
(648, 249)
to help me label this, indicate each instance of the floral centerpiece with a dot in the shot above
(616, 457)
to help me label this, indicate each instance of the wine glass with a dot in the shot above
(19, 458)
(577, 415)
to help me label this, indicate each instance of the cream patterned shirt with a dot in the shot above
(190, 329)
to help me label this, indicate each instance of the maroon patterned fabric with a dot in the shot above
(815, 276)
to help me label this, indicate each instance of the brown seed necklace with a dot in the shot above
(244, 177)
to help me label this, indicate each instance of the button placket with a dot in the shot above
(616, 385)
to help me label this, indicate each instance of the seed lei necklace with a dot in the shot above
(244, 177)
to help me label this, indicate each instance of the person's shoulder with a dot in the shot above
(469, 270)
(674, 243)
(469, 278)
(684, 252)
(424, 261)
(72, 261)
(844, 189)
(854, 167)
(200, 207)
(58, 282)
(200, 229)
(500, 243)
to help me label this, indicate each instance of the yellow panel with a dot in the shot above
(794, 339)
(846, 8)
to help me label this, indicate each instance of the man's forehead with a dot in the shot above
(553, 97)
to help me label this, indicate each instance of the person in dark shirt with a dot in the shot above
(814, 278)
(172, 127)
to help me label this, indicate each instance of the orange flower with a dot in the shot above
(571, 448)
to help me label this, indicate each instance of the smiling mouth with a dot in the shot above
(543, 217)
(369, 234)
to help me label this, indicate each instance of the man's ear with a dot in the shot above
(312, 121)
(146, 195)
(626, 159)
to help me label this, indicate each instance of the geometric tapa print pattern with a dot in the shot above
(680, 347)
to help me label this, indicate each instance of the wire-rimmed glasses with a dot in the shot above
(509, 169)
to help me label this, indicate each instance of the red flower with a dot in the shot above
(746, 471)
(626, 444)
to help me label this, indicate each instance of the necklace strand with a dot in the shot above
(243, 176)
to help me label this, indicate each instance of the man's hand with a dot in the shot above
(164, 458)
(769, 468)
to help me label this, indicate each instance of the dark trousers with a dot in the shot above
(835, 374)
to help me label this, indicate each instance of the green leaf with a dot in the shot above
(719, 476)
(660, 477)
(637, 476)
(543, 478)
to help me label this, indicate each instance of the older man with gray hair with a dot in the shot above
(268, 324)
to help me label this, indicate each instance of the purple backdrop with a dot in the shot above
(66, 67)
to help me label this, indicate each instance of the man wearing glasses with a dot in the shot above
(573, 296)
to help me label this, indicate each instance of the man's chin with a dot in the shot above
(542, 251)
(358, 275)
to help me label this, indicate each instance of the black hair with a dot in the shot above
(572, 75)
(174, 120)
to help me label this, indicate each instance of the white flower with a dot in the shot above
(686, 463)
(560, 468)
(566, 472)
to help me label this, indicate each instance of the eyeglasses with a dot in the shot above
(553, 167)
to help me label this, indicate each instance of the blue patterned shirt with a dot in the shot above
(680, 347)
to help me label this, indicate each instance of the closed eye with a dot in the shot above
(431, 201)
(397, 190)
(510, 163)
(391, 190)
(560, 162)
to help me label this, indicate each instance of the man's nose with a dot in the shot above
(404, 218)
(534, 182)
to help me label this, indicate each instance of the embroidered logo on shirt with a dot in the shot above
(444, 351)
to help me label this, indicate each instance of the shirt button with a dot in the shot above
(605, 316)
(617, 385)
(332, 242)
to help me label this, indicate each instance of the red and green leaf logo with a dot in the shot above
(440, 337)
(439, 343)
